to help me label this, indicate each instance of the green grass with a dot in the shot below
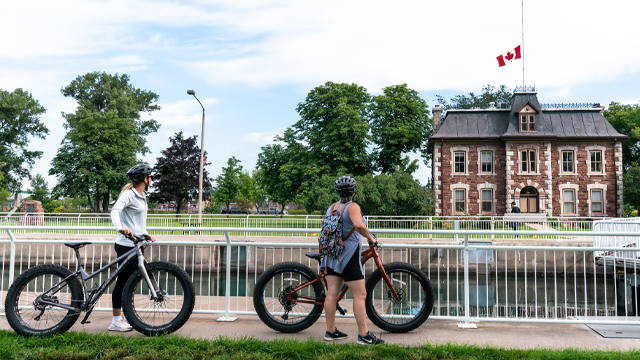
(105, 346)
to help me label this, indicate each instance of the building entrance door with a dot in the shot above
(529, 200)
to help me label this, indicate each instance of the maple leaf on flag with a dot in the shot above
(509, 56)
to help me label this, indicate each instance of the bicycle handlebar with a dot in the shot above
(136, 239)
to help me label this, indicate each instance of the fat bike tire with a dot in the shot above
(416, 302)
(152, 316)
(27, 316)
(274, 289)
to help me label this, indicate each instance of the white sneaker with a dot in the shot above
(120, 325)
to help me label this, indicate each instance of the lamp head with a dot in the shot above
(191, 92)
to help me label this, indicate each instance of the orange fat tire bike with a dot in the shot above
(289, 297)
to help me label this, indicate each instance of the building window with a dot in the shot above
(487, 201)
(486, 162)
(459, 204)
(459, 162)
(596, 161)
(528, 120)
(528, 161)
(596, 202)
(567, 162)
(569, 201)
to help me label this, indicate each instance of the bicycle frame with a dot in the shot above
(366, 255)
(92, 295)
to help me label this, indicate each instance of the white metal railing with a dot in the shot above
(473, 280)
(618, 225)
(182, 224)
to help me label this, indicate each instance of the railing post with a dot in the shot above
(430, 227)
(467, 307)
(79, 223)
(227, 289)
(246, 233)
(12, 254)
(189, 224)
(493, 227)
(306, 226)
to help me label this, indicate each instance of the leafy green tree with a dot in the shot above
(394, 194)
(176, 175)
(400, 124)
(250, 193)
(287, 170)
(626, 119)
(40, 192)
(333, 122)
(4, 193)
(39, 188)
(631, 189)
(228, 183)
(489, 94)
(19, 121)
(104, 136)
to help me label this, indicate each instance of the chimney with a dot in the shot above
(437, 118)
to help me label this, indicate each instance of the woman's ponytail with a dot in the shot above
(125, 188)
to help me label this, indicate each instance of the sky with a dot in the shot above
(251, 62)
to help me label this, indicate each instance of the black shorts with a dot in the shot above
(352, 271)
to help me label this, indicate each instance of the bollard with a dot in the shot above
(467, 308)
(227, 289)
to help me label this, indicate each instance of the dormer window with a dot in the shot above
(528, 119)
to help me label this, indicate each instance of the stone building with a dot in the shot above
(556, 160)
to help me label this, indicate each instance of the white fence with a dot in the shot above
(485, 226)
(473, 281)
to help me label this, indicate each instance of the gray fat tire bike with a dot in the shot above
(47, 299)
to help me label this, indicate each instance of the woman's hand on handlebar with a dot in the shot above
(151, 237)
(373, 241)
(126, 232)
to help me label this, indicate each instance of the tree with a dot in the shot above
(333, 122)
(489, 94)
(287, 170)
(19, 121)
(631, 189)
(228, 183)
(395, 194)
(39, 188)
(626, 120)
(104, 136)
(40, 192)
(4, 193)
(176, 173)
(400, 124)
(250, 193)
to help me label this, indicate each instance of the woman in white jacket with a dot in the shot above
(129, 216)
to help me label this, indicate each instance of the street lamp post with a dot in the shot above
(191, 92)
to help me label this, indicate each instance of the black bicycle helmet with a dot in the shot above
(138, 172)
(345, 185)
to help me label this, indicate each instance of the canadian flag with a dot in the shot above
(509, 56)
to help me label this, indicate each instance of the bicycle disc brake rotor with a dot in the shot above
(162, 300)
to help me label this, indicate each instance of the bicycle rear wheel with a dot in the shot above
(158, 316)
(273, 291)
(416, 298)
(26, 311)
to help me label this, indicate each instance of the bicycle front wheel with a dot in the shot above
(273, 294)
(416, 298)
(31, 301)
(164, 314)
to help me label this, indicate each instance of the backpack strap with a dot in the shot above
(352, 229)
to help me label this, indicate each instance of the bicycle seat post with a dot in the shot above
(77, 250)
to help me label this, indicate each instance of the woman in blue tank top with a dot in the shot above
(348, 269)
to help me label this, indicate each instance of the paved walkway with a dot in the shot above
(512, 335)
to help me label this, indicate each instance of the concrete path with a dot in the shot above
(518, 336)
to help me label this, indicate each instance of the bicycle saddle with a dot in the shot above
(312, 255)
(77, 245)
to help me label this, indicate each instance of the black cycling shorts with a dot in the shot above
(352, 271)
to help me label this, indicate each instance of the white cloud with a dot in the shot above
(183, 112)
(261, 137)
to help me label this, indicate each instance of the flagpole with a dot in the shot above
(522, 51)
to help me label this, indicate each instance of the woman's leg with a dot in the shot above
(116, 296)
(334, 284)
(359, 291)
